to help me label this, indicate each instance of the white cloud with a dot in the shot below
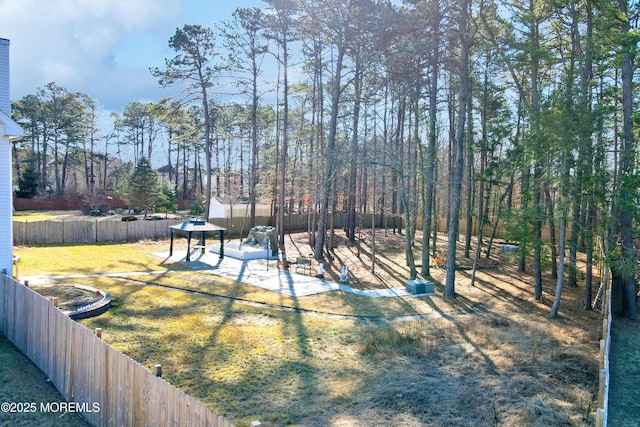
(76, 44)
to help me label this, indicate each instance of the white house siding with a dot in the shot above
(6, 204)
(5, 100)
(8, 129)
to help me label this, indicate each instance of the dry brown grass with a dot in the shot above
(489, 358)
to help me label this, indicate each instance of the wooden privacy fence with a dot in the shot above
(108, 388)
(93, 231)
(605, 343)
(52, 232)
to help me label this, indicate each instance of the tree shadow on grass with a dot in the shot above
(384, 263)
(519, 304)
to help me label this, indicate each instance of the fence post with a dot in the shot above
(108, 365)
(603, 359)
(601, 385)
(157, 370)
(98, 332)
(55, 301)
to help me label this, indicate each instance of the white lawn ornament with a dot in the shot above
(320, 273)
(344, 274)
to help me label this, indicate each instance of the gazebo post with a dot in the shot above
(188, 246)
(204, 244)
(171, 245)
(221, 244)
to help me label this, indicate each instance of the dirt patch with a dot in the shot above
(253, 319)
(70, 298)
(390, 267)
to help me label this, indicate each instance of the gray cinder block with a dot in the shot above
(419, 286)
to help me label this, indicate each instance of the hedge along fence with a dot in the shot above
(108, 388)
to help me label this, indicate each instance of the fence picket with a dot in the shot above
(55, 232)
(605, 344)
(88, 371)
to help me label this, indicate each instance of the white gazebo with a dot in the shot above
(8, 130)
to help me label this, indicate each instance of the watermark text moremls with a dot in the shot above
(55, 407)
(69, 407)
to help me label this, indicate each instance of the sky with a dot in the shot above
(103, 48)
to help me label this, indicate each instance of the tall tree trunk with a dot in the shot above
(285, 141)
(397, 207)
(16, 160)
(253, 183)
(560, 278)
(434, 214)
(208, 124)
(552, 231)
(430, 173)
(185, 171)
(586, 76)
(537, 170)
(480, 228)
(330, 163)
(351, 202)
(627, 207)
(470, 183)
(465, 83)
(573, 239)
(508, 191)
(450, 154)
(56, 166)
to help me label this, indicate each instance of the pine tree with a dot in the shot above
(143, 186)
(166, 201)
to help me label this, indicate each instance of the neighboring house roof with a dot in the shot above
(166, 169)
(11, 128)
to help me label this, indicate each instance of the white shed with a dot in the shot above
(219, 209)
(8, 130)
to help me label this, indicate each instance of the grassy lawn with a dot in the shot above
(69, 215)
(624, 406)
(251, 354)
(91, 259)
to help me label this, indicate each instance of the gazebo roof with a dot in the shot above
(197, 225)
